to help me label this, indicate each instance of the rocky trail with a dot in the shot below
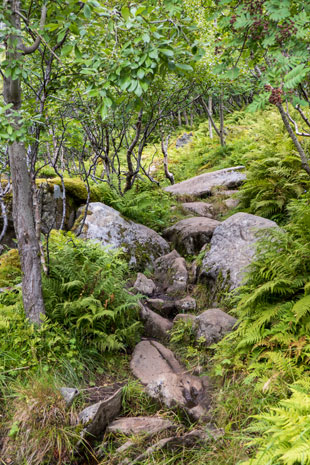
(167, 296)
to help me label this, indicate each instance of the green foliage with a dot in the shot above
(273, 307)
(144, 203)
(88, 310)
(283, 434)
(85, 293)
(42, 429)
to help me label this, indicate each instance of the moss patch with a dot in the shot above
(10, 271)
(75, 187)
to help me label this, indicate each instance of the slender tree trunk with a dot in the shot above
(300, 150)
(179, 118)
(209, 119)
(164, 149)
(23, 214)
(221, 111)
(185, 118)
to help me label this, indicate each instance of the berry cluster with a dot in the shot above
(287, 29)
(276, 94)
(255, 6)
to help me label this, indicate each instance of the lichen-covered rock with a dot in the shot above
(183, 140)
(203, 184)
(166, 380)
(141, 245)
(232, 249)
(171, 273)
(188, 304)
(213, 324)
(199, 208)
(144, 285)
(191, 234)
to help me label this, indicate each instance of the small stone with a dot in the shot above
(199, 208)
(139, 425)
(190, 234)
(165, 308)
(231, 203)
(69, 394)
(213, 324)
(155, 326)
(184, 317)
(96, 417)
(144, 285)
(188, 304)
(171, 273)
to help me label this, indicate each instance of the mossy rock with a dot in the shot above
(75, 187)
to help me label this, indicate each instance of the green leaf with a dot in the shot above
(183, 67)
(125, 13)
(87, 11)
(166, 52)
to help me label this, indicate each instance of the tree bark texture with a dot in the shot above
(23, 212)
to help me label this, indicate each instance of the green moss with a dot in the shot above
(10, 272)
(75, 187)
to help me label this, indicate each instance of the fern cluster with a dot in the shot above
(273, 307)
(283, 434)
(144, 203)
(85, 293)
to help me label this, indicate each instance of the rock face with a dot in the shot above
(213, 324)
(171, 273)
(166, 380)
(144, 285)
(202, 185)
(50, 207)
(191, 234)
(232, 248)
(142, 245)
(96, 417)
(199, 208)
(155, 326)
(139, 425)
(183, 140)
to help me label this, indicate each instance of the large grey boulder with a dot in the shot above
(199, 208)
(171, 273)
(213, 324)
(191, 234)
(141, 245)
(166, 380)
(203, 184)
(232, 249)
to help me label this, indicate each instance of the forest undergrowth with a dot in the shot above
(260, 372)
